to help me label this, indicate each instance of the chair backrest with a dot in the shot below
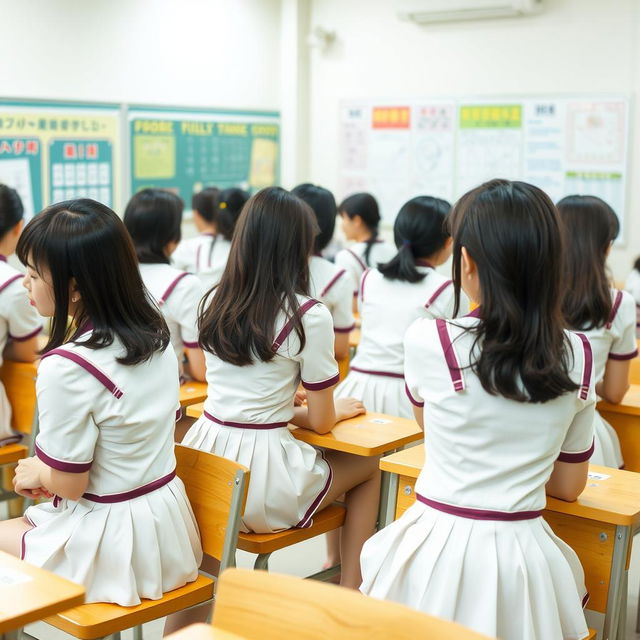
(267, 606)
(217, 490)
(19, 381)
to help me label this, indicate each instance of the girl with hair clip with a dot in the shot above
(508, 397)
(606, 316)
(120, 522)
(187, 256)
(392, 297)
(153, 218)
(262, 334)
(19, 322)
(360, 219)
(329, 284)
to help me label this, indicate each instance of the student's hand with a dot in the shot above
(348, 408)
(27, 480)
(300, 398)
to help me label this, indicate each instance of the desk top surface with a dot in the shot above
(193, 392)
(28, 593)
(611, 495)
(203, 632)
(630, 404)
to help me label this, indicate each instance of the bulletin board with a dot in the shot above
(185, 150)
(443, 147)
(59, 151)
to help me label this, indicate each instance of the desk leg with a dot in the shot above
(388, 495)
(617, 599)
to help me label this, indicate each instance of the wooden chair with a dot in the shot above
(217, 490)
(258, 605)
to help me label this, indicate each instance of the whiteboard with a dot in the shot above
(398, 149)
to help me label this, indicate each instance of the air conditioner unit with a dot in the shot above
(429, 11)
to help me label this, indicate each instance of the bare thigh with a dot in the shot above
(11, 532)
(348, 472)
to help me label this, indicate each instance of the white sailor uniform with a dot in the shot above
(246, 415)
(132, 535)
(353, 262)
(332, 286)
(205, 256)
(474, 547)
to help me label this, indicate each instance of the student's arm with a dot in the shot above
(32, 475)
(22, 350)
(321, 413)
(567, 480)
(418, 413)
(197, 368)
(615, 382)
(341, 345)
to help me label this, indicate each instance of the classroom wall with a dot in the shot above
(575, 46)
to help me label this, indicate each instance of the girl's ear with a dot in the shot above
(469, 268)
(17, 229)
(74, 293)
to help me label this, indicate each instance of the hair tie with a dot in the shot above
(223, 205)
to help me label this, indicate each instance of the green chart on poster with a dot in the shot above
(187, 150)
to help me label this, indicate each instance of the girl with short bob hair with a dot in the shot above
(153, 218)
(392, 297)
(120, 523)
(605, 315)
(328, 283)
(262, 334)
(508, 398)
(360, 220)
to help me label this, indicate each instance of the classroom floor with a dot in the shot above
(306, 558)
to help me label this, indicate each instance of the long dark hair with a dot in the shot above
(418, 233)
(85, 240)
(267, 268)
(365, 206)
(11, 209)
(512, 232)
(323, 204)
(153, 218)
(589, 229)
(205, 203)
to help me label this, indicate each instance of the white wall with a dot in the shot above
(213, 53)
(576, 46)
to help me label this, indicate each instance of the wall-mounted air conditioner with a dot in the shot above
(428, 11)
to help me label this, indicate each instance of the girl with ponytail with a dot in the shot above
(391, 297)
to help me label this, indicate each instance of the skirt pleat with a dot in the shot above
(606, 450)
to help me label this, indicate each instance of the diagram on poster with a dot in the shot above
(17, 174)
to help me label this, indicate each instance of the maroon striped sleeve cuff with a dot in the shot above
(580, 456)
(62, 465)
(344, 329)
(623, 356)
(411, 398)
(28, 336)
(190, 345)
(319, 386)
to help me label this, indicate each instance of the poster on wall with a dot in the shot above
(564, 145)
(186, 151)
(51, 152)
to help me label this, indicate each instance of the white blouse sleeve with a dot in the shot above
(413, 360)
(348, 261)
(182, 257)
(184, 307)
(68, 433)
(342, 297)
(22, 319)
(624, 346)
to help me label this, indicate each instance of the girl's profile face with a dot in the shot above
(40, 291)
(349, 226)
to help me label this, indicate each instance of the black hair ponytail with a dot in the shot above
(11, 209)
(365, 206)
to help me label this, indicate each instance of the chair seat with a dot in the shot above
(12, 453)
(326, 520)
(592, 634)
(96, 620)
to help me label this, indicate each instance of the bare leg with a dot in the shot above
(359, 478)
(11, 532)
(198, 614)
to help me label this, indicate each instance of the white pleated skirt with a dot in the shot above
(121, 552)
(380, 394)
(508, 580)
(606, 450)
(288, 478)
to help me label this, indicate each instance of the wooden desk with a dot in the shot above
(203, 632)
(193, 392)
(625, 419)
(598, 526)
(28, 594)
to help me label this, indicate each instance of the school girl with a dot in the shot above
(188, 254)
(19, 322)
(153, 218)
(360, 219)
(329, 284)
(120, 523)
(507, 397)
(606, 316)
(263, 334)
(632, 285)
(393, 296)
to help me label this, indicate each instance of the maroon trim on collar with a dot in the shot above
(411, 398)
(386, 374)
(332, 282)
(61, 465)
(87, 326)
(474, 314)
(479, 514)
(3, 258)
(450, 355)
(31, 334)
(288, 327)
(436, 293)
(614, 309)
(623, 356)
(358, 259)
(586, 367)
(89, 367)
(365, 275)
(11, 280)
(123, 496)
(319, 386)
(171, 287)
(580, 456)
(245, 425)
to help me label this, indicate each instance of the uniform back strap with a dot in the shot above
(288, 327)
(450, 355)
